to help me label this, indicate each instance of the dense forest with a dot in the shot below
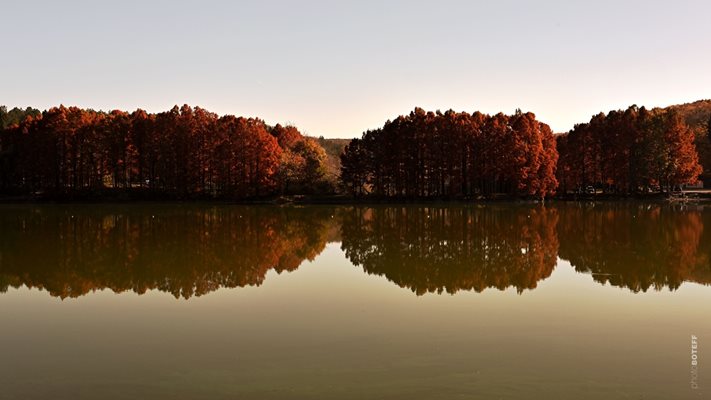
(181, 153)
(191, 153)
(630, 151)
(697, 116)
(460, 155)
(453, 155)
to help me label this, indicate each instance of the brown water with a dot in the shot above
(569, 301)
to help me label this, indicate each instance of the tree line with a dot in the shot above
(15, 115)
(626, 152)
(461, 155)
(181, 153)
(193, 153)
(452, 155)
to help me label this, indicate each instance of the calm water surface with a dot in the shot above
(569, 301)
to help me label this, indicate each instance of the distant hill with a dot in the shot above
(697, 116)
(333, 148)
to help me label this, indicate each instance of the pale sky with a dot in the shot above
(337, 68)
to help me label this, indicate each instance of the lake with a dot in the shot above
(494, 301)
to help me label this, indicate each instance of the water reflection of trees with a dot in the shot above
(636, 246)
(438, 249)
(186, 251)
(192, 250)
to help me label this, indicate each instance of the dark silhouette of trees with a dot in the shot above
(626, 152)
(355, 167)
(452, 155)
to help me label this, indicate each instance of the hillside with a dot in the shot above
(333, 148)
(695, 114)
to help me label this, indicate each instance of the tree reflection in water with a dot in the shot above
(637, 246)
(436, 249)
(191, 250)
(186, 251)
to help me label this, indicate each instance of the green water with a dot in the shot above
(509, 301)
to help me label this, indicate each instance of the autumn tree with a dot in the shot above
(679, 162)
(16, 115)
(303, 162)
(453, 155)
(311, 168)
(286, 136)
(627, 152)
(185, 152)
(144, 141)
(248, 158)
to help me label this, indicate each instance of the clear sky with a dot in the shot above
(337, 68)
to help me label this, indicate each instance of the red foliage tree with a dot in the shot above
(453, 155)
(183, 152)
(627, 152)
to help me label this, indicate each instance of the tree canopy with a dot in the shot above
(181, 153)
(453, 155)
(191, 152)
(630, 151)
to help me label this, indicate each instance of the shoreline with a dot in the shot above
(696, 196)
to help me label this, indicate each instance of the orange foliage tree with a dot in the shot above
(184, 152)
(630, 151)
(453, 155)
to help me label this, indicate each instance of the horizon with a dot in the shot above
(339, 70)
